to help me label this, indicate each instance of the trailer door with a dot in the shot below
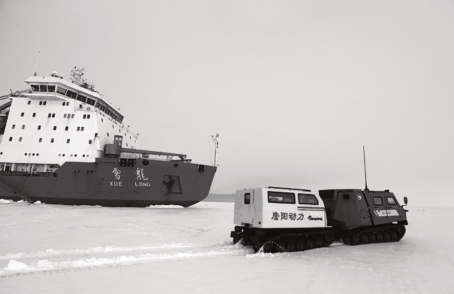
(247, 209)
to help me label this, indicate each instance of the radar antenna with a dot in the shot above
(76, 78)
(216, 144)
(365, 175)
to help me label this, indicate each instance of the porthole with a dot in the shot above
(175, 165)
(145, 162)
(55, 175)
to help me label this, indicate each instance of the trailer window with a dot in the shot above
(391, 200)
(307, 199)
(247, 198)
(378, 201)
(280, 197)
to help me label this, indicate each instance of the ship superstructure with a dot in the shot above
(56, 124)
(58, 121)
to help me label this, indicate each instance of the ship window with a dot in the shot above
(91, 101)
(89, 141)
(391, 200)
(52, 140)
(49, 115)
(84, 116)
(40, 102)
(71, 94)
(23, 126)
(378, 201)
(66, 128)
(280, 197)
(39, 127)
(40, 140)
(78, 128)
(35, 88)
(63, 104)
(22, 114)
(50, 88)
(307, 199)
(82, 128)
(102, 120)
(44, 102)
(61, 90)
(20, 139)
(42, 88)
(13, 127)
(53, 114)
(29, 102)
(72, 115)
(64, 115)
(34, 114)
(82, 98)
(55, 128)
(88, 116)
(67, 141)
(247, 198)
(107, 134)
(10, 139)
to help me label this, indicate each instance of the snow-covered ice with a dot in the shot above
(73, 249)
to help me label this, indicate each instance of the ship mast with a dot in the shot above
(215, 140)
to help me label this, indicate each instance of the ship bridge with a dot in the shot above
(55, 88)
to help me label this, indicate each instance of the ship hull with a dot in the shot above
(113, 182)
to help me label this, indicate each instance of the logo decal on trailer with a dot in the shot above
(287, 216)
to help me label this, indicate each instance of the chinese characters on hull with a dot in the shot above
(141, 179)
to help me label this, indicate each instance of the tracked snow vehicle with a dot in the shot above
(285, 219)
(361, 217)
(281, 219)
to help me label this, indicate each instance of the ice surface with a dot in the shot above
(73, 249)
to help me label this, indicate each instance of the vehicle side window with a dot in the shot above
(247, 198)
(378, 201)
(281, 197)
(391, 200)
(307, 199)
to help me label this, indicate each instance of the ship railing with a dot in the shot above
(143, 153)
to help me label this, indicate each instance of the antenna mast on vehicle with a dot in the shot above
(365, 175)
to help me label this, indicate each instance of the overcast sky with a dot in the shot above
(294, 88)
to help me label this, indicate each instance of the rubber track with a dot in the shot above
(295, 237)
(386, 229)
